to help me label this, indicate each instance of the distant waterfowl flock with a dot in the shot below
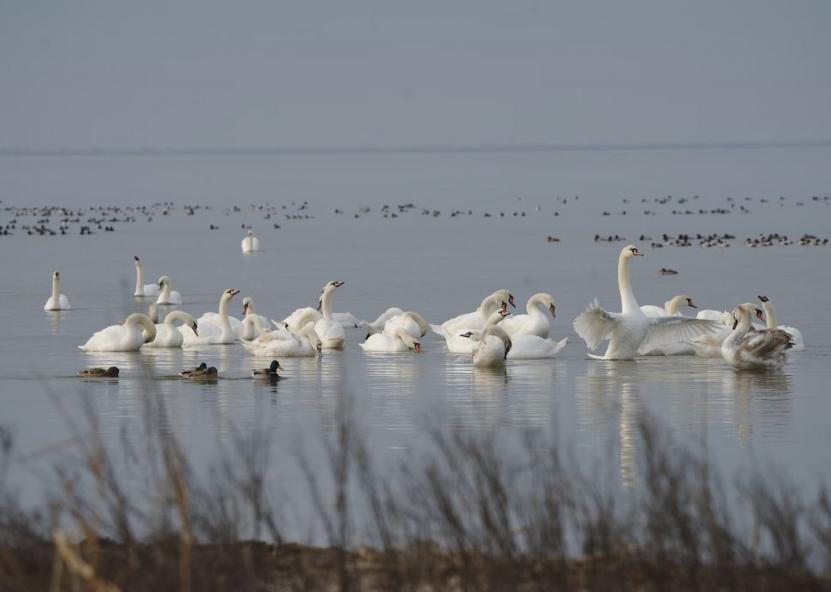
(489, 334)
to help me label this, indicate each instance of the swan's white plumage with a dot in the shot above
(166, 294)
(168, 335)
(250, 243)
(286, 343)
(747, 348)
(536, 321)
(143, 290)
(531, 347)
(770, 318)
(396, 339)
(57, 301)
(128, 336)
(631, 330)
(451, 329)
(214, 328)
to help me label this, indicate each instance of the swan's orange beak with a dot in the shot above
(760, 315)
(418, 348)
(553, 310)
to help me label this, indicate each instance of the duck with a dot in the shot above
(57, 301)
(250, 243)
(143, 290)
(136, 330)
(270, 372)
(209, 373)
(536, 321)
(168, 335)
(214, 328)
(166, 294)
(451, 329)
(747, 348)
(770, 317)
(111, 372)
(631, 330)
(188, 371)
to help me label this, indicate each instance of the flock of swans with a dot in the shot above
(489, 334)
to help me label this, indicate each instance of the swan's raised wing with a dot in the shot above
(595, 324)
(664, 331)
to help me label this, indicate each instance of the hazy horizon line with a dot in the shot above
(404, 149)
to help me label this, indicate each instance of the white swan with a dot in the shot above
(250, 243)
(770, 316)
(630, 329)
(252, 327)
(410, 322)
(143, 289)
(746, 348)
(57, 301)
(378, 324)
(330, 331)
(670, 308)
(451, 329)
(166, 294)
(128, 336)
(491, 345)
(297, 319)
(536, 321)
(214, 329)
(531, 347)
(167, 335)
(397, 339)
(284, 343)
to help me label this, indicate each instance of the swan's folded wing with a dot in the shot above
(664, 331)
(595, 324)
(764, 344)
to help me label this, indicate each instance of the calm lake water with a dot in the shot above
(439, 266)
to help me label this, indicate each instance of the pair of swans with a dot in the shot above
(162, 290)
(57, 301)
(330, 331)
(283, 342)
(493, 345)
(749, 348)
(138, 330)
(630, 331)
(214, 328)
(452, 329)
(250, 243)
(709, 346)
(400, 333)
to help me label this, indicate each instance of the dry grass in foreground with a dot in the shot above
(461, 518)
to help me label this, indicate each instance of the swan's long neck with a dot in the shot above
(223, 311)
(178, 315)
(770, 314)
(742, 328)
(251, 326)
(56, 289)
(627, 298)
(139, 319)
(165, 295)
(672, 305)
(488, 305)
(326, 305)
(139, 291)
(423, 325)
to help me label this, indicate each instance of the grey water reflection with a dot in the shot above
(761, 398)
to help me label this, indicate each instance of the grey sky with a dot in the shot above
(204, 74)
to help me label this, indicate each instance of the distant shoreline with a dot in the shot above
(415, 149)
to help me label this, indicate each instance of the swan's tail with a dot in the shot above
(560, 345)
(438, 330)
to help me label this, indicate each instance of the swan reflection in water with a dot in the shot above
(609, 387)
(762, 397)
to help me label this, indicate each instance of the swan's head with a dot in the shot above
(546, 300)
(247, 303)
(163, 280)
(56, 275)
(746, 310)
(137, 260)
(505, 297)
(764, 299)
(630, 251)
(331, 286)
(229, 293)
(249, 232)
(690, 302)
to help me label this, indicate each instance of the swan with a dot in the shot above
(111, 372)
(166, 295)
(491, 345)
(283, 343)
(474, 321)
(770, 315)
(251, 328)
(167, 335)
(396, 339)
(411, 322)
(214, 328)
(143, 289)
(250, 243)
(747, 348)
(330, 331)
(536, 321)
(135, 331)
(270, 372)
(57, 301)
(378, 324)
(532, 347)
(631, 330)
(670, 308)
